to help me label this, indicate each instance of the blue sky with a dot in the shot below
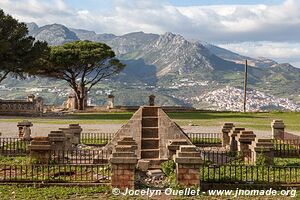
(266, 28)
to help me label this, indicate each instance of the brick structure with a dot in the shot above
(151, 100)
(244, 139)
(262, 151)
(277, 129)
(24, 129)
(123, 163)
(69, 138)
(40, 149)
(76, 130)
(174, 145)
(152, 129)
(57, 140)
(227, 127)
(232, 140)
(110, 101)
(188, 162)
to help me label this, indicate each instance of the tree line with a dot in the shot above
(82, 64)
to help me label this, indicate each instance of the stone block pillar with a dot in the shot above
(232, 140)
(151, 100)
(277, 129)
(188, 162)
(69, 138)
(110, 101)
(76, 131)
(262, 151)
(174, 145)
(57, 140)
(24, 129)
(245, 139)
(227, 127)
(40, 148)
(123, 163)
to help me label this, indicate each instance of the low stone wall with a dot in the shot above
(31, 106)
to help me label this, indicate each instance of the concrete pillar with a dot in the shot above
(151, 100)
(188, 162)
(245, 139)
(227, 127)
(123, 164)
(232, 140)
(262, 151)
(277, 129)
(76, 130)
(22, 130)
(40, 149)
(110, 101)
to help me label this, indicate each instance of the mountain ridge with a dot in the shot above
(159, 64)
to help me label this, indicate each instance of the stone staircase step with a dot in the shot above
(149, 153)
(150, 122)
(150, 111)
(150, 132)
(150, 143)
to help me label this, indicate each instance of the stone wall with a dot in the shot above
(30, 106)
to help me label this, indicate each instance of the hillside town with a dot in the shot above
(231, 99)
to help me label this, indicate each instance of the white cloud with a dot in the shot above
(221, 23)
(279, 51)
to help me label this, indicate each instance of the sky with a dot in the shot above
(265, 28)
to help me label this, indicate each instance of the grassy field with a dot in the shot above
(257, 121)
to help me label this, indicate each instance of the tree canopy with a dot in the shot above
(82, 64)
(18, 51)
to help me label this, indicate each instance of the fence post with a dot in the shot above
(277, 126)
(244, 139)
(262, 151)
(232, 141)
(227, 127)
(123, 163)
(76, 130)
(40, 149)
(188, 162)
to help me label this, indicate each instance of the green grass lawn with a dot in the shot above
(257, 121)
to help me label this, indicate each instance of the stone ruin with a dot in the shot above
(24, 130)
(154, 132)
(149, 138)
(30, 106)
(63, 140)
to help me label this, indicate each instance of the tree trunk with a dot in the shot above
(81, 105)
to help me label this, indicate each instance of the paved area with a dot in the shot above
(9, 129)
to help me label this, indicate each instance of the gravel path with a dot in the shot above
(9, 129)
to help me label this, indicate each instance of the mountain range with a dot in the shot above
(173, 68)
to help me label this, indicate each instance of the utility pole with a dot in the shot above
(245, 85)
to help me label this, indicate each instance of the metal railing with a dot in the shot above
(206, 139)
(13, 146)
(96, 139)
(55, 173)
(249, 174)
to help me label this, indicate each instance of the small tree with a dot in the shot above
(18, 52)
(82, 64)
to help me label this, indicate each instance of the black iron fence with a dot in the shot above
(13, 146)
(96, 139)
(79, 156)
(55, 173)
(226, 157)
(286, 147)
(206, 139)
(250, 174)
